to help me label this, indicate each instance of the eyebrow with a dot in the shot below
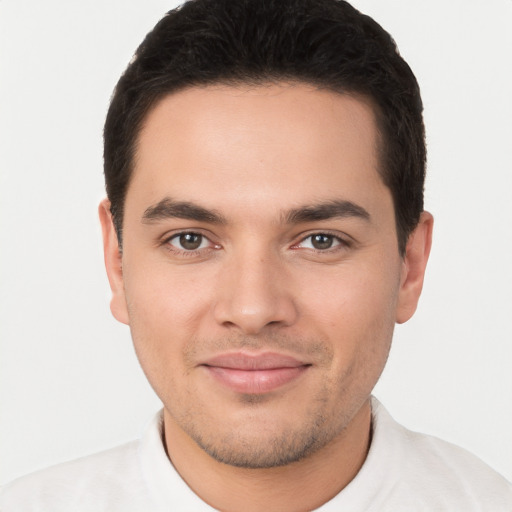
(169, 209)
(327, 210)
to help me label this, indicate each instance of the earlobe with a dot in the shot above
(414, 265)
(113, 263)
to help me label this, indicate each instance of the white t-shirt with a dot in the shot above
(404, 472)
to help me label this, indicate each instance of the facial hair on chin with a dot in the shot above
(285, 447)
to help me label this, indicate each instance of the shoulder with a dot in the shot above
(98, 482)
(441, 474)
(133, 477)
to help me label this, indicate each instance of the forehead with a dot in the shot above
(286, 144)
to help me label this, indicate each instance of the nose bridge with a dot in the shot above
(254, 291)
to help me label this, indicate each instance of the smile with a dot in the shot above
(254, 374)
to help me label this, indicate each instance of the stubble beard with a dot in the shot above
(281, 449)
(275, 444)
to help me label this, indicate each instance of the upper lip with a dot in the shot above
(248, 362)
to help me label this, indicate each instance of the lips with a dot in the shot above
(254, 374)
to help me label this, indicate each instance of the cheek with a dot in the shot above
(158, 318)
(354, 309)
(164, 311)
(164, 298)
(349, 297)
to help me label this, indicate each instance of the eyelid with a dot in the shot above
(165, 239)
(177, 238)
(343, 239)
(168, 235)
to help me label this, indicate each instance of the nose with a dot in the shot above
(254, 293)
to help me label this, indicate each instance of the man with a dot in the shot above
(263, 232)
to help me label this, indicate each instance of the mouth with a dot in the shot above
(254, 373)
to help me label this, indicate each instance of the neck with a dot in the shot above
(303, 485)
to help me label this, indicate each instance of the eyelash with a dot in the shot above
(341, 243)
(187, 253)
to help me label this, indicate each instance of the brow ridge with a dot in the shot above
(167, 208)
(340, 208)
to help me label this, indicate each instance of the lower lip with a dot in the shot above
(255, 381)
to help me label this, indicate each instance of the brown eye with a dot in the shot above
(190, 241)
(321, 241)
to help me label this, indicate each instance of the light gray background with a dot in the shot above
(70, 384)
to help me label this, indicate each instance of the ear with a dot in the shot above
(413, 267)
(113, 263)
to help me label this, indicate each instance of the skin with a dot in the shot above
(253, 157)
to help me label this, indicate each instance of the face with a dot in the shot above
(260, 272)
